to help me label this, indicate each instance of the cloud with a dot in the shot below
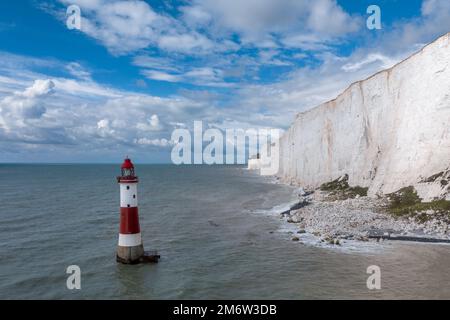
(269, 57)
(384, 62)
(25, 118)
(78, 71)
(128, 26)
(154, 121)
(104, 128)
(17, 110)
(77, 112)
(208, 26)
(307, 42)
(154, 142)
(208, 42)
(261, 22)
(153, 124)
(87, 89)
(39, 89)
(195, 16)
(161, 76)
(205, 76)
(326, 17)
(185, 43)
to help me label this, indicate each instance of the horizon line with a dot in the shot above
(114, 163)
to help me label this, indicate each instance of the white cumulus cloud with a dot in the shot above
(18, 109)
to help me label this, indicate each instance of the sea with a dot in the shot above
(217, 229)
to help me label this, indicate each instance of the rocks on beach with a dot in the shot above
(359, 218)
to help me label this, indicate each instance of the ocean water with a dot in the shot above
(216, 229)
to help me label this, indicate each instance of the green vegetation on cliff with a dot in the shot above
(341, 189)
(406, 202)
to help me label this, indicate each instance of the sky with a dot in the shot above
(137, 70)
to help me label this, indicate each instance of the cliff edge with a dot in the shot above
(387, 132)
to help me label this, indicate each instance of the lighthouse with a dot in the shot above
(130, 249)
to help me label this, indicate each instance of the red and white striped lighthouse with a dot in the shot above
(130, 249)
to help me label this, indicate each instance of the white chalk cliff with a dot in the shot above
(389, 131)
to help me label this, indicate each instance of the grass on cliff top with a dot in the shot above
(406, 202)
(340, 188)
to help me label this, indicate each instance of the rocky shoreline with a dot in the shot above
(362, 218)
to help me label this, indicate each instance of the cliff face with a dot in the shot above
(389, 131)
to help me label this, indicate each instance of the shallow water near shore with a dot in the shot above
(216, 230)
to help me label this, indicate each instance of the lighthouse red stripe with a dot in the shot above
(129, 220)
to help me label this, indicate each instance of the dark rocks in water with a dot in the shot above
(307, 193)
(296, 206)
(301, 231)
(408, 238)
(295, 239)
(151, 256)
(299, 205)
(213, 223)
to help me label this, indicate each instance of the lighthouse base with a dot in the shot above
(136, 254)
(130, 255)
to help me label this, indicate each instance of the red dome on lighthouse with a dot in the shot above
(127, 164)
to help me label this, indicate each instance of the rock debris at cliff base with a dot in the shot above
(338, 221)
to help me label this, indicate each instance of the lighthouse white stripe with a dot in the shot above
(130, 240)
(128, 195)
